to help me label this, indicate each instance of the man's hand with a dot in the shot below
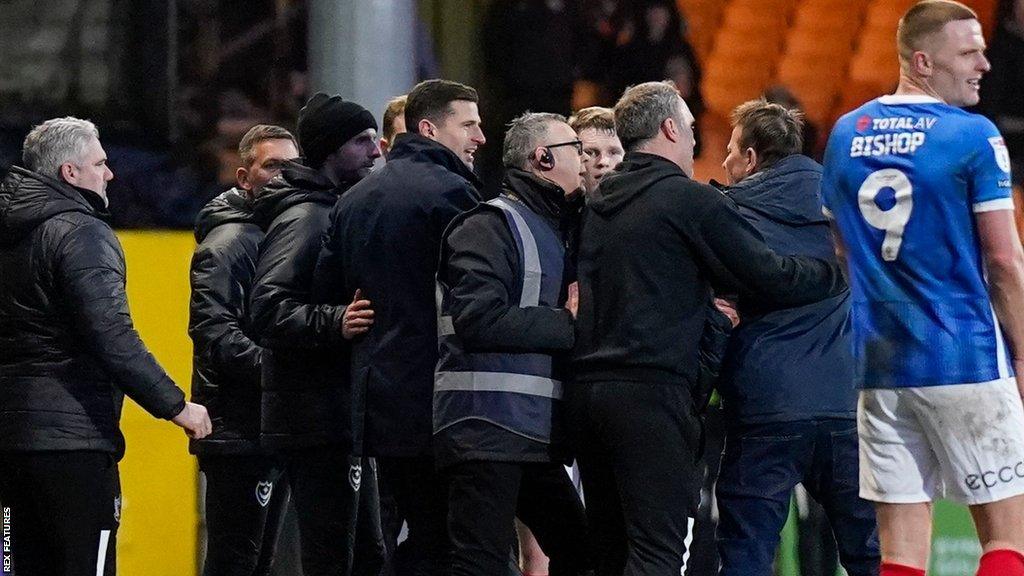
(195, 420)
(729, 309)
(572, 300)
(358, 317)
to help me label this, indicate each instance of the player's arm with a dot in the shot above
(988, 172)
(1004, 259)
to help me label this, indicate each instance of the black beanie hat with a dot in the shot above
(326, 123)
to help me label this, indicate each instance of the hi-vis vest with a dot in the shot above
(516, 392)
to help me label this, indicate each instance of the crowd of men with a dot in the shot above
(381, 347)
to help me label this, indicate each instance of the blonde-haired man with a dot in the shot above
(920, 193)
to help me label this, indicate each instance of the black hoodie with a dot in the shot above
(68, 349)
(652, 245)
(225, 361)
(304, 389)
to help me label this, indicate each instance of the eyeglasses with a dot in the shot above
(578, 144)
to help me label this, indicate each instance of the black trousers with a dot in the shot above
(420, 497)
(486, 497)
(370, 552)
(246, 500)
(325, 486)
(65, 508)
(637, 444)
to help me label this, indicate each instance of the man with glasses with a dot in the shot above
(506, 315)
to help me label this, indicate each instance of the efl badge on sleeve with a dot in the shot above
(1002, 154)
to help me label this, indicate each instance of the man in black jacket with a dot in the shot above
(506, 324)
(384, 240)
(245, 502)
(68, 354)
(653, 242)
(304, 404)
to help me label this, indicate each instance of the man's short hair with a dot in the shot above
(431, 100)
(56, 141)
(261, 133)
(396, 107)
(771, 129)
(525, 133)
(924, 19)
(597, 117)
(641, 110)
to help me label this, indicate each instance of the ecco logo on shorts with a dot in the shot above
(990, 478)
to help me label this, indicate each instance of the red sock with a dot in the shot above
(890, 569)
(1001, 563)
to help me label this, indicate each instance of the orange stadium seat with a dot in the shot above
(743, 43)
(834, 47)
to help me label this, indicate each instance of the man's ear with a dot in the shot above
(427, 129)
(751, 157)
(69, 172)
(670, 129)
(921, 63)
(242, 177)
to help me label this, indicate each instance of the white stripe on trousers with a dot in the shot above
(101, 552)
(686, 545)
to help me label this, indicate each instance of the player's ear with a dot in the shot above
(921, 63)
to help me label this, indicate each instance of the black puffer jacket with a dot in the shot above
(68, 349)
(225, 362)
(304, 388)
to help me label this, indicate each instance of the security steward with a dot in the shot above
(506, 323)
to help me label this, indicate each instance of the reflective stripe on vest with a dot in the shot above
(498, 382)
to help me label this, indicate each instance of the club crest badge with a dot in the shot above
(263, 491)
(117, 509)
(355, 476)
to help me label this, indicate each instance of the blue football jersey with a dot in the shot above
(903, 178)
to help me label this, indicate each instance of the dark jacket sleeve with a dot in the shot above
(215, 317)
(458, 198)
(328, 285)
(282, 315)
(90, 270)
(739, 260)
(480, 273)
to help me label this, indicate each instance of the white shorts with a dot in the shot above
(963, 442)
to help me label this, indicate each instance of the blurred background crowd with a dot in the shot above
(173, 85)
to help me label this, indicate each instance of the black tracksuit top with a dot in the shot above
(652, 244)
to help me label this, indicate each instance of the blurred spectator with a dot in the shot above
(650, 35)
(812, 147)
(1002, 89)
(546, 38)
(393, 122)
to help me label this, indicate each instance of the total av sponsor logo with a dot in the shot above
(991, 478)
(7, 540)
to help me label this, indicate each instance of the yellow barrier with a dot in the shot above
(159, 518)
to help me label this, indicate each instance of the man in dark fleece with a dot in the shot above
(68, 355)
(506, 326)
(787, 381)
(384, 240)
(305, 403)
(245, 502)
(652, 245)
